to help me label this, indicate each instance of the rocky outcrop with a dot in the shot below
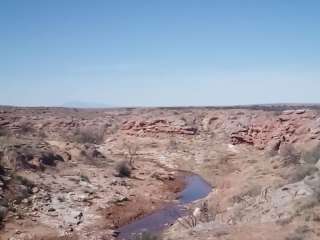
(141, 128)
(288, 127)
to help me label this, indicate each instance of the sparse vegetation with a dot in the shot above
(311, 156)
(89, 135)
(189, 221)
(146, 236)
(299, 233)
(3, 132)
(24, 181)
(251, 192)
(131, 152)
(247, 183)
(123, 169)
(289, 154)
(84, 178)
(172, 144)
(25, 128)
(198, 215)
(9, 140)
(300, 172)
(42, 134)
(294, 237)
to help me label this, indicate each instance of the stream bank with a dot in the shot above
(195, 188)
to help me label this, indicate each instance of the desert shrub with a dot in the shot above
(311, 156)
(289, 154)
(294, 236)
(201, 214)
(84, 178)
(25, 128)
(42, 134)
(301, 172)
(89, 135)
(3, 132)
(188, 221)
(123, 169)
(131, 152)
(24, 181)
(2, 169)
(112, 128)
(273, 148)
(304, 205)
(4, 138)
(172, 143)
(251, 192)
(146, 236)
(299, 233)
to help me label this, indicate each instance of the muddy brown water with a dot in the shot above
(196, 188)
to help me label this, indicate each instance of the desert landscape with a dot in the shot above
(159, 120)
(70, 173)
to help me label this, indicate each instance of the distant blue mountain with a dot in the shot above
(79, 104)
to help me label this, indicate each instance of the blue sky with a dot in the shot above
(159, 53)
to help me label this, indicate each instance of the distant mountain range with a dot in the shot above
(271, 106)
(79, 104)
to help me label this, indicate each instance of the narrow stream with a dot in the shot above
(196, 188)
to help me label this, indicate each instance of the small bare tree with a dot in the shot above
(131, 152)
(172, 144)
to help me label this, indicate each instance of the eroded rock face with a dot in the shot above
(142, 128)
(288, 127)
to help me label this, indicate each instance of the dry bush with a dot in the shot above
(289, 154)
(24, 181)
(188, 221)
(3, 132)
(25, 128)
(131, 152)
(123, 169)
(301, 172)
(225, 163)
(299, 233)
(8, 141)
(173, 143)
(89, 135)
(302, 207)
(273, 148)
(251, 192)
(113, 127)
(42, 134)
(84, 178)
(295, 236)
(8, 158)
(311, 156)
(199, 215)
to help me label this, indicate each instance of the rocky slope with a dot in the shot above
(59, 174)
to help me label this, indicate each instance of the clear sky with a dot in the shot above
(159, 52)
